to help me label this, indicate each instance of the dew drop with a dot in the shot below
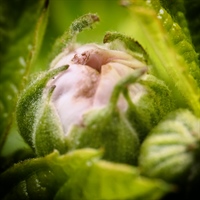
(30, 47)
(161, 11)
(22, 61)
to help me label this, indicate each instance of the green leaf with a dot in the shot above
(178, 32)
(22, 28)
(77, 175)
(40, 178)
(172, 56)
(106, 180)
(177, 10)
(34, 178)
(193, 15)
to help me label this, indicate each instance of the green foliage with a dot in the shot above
(132, 46)
(192, 15)
(22, 28)
(77, 175)
(165, 150)
(169, 63)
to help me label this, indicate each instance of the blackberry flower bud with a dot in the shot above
(92, 97)
(89, 81)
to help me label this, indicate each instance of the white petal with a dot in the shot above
(111, 74)
(74, 92)
(89, 81)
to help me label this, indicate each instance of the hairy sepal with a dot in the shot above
(30, 103)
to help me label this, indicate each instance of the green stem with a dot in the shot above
(122, 85)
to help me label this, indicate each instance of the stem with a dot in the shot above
(121, 86)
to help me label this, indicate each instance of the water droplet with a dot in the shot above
(30, 47)
(22, 61)
(161, 11)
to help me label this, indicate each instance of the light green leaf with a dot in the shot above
(166, 45)
(111, 181)
(177, 10)
(77, 175)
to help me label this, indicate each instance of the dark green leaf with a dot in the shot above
(40, 178)
(22, 27)
(193, 17)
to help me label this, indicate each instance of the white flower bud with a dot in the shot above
(88, 83)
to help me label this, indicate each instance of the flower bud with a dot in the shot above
(92, 97)
(172, 148)
(37, 119)
(89, 81)
(82, 98)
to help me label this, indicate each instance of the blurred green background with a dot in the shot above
(113, 17)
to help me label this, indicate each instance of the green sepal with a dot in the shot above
(154, 104)
(108, 128)
(69, 37)
(29, 103)
(169, 152)
(48, 133)
(131, 45)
